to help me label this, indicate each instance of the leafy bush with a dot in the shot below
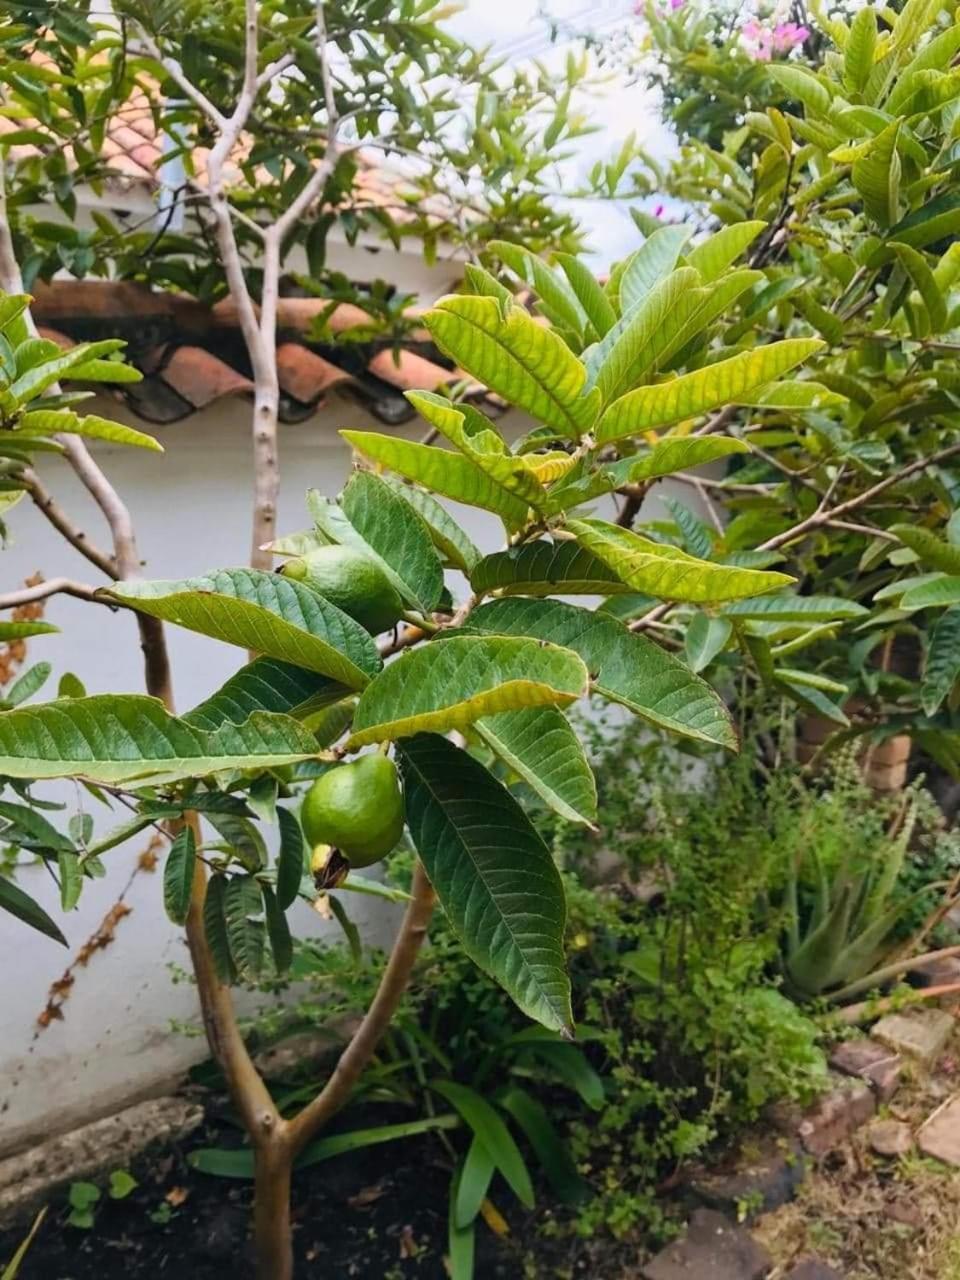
(685, 1032)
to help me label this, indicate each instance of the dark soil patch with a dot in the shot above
(379, 1214)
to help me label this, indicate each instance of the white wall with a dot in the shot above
(191, 509)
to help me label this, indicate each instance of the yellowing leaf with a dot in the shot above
(451, 474)
(667, 572)
(450, 683)
(717, 252)
(717, 384)
(475, 436)
(646, 335)
(509, 352)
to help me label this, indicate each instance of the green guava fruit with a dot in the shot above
(357, 808)
(353, 582)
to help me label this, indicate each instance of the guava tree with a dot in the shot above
(484, 651)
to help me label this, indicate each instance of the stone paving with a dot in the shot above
(866, 1072)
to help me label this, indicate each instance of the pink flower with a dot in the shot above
(658, 211)
(762, 44)
(677, 4)
(787, 35)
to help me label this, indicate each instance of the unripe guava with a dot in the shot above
(353, 582)
(357, 808)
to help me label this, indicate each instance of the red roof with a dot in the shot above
(192, 355)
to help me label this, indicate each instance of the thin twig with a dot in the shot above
(47, 505)
(52, 587)
(823, 516)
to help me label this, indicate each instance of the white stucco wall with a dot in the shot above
(191, 509)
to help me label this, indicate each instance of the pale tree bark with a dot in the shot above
(258, 324)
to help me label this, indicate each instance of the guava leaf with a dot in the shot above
(557, 300)
(645, 336)
(215, 928)
(712, 257)
(625, 667)
(23, 630)
(290, 866)
(477, 438)
(278, 931)
(545, 568)
(243, 915)
(655, 258)
(943, 661)
(441, 470)
(449, 539)
(540, 745)
(450, 683)
(178, 876)
(266, 612)
(397, 536)
(665, 458)
(667, 572)
(589, 293)
(933, 551)
(509, 352)
(933, 593)
(266, 684)
(788, 607)
(493, 874)
(113, 739)
(708, 388)
(17, 903)
(705, 638)
(45, 422)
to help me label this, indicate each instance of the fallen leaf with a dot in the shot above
(176, 1196)
(367, 1195)
(494, 1218)
(408, 1245)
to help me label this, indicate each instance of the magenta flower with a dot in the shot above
(762, 44)
(787, 35)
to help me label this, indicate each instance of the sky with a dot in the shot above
(514, 30)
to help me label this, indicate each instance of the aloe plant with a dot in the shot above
(840, 942)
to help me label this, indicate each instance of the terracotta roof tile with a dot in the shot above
(200, 377)
(193, 355)
(408, 371)
(306, 376)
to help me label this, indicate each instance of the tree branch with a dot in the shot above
(47, 504)
(183, 83)
(313, 188)
(826, 515)
(249, 1093)
(358, 1052)
(718, 421)
(52, 587)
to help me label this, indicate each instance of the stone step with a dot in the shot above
(29, 1179)
(713, 1249)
